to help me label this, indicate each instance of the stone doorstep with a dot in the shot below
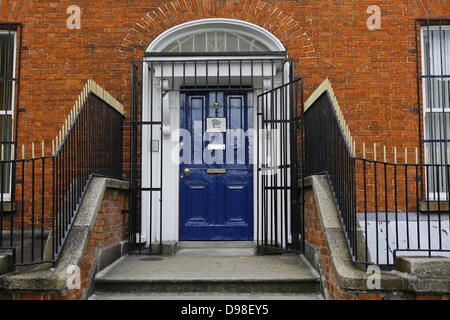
(184, 274)
(43, 278)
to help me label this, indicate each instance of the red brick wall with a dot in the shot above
(315, 237)
(373, 72)
(111, 226)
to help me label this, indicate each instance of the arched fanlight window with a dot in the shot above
(216, 41)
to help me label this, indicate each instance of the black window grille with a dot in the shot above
(10, 39)
(433, 69)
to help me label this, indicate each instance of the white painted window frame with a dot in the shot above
(426, 109)
(11, 112)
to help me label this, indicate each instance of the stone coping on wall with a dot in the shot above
(326, 87)
(44, 278)
(425, 274)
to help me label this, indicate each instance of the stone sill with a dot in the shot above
(8, 207)
(433, 206)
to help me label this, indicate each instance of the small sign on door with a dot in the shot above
(216, 124)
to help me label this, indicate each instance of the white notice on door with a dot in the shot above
(216, 124)
(216, 147)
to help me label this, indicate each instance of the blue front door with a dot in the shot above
(216, 171)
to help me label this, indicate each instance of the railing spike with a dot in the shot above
(13, 149)
(43, 149)
(3, 152)
(417, 156)
(32, 150)
(375, 151)
(395, 155)
(406, 155)
(364, 150)
(23, 151)
(384, 152)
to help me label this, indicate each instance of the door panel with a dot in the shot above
(216, 205)
(198, 190)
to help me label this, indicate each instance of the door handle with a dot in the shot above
(187, 172)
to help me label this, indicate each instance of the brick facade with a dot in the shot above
(373, 72)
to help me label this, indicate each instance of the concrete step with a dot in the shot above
(201, 296)
(217, 252)
(183, 275)
(216, 244)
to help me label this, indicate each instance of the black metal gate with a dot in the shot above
(269, 79)
(143, 126)
(280, 224)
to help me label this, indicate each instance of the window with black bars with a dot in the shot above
(8, 99)
(434, 77)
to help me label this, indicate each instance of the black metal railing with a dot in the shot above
(328, 151)
(402, 209)
(36, 219)
(386, 208)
